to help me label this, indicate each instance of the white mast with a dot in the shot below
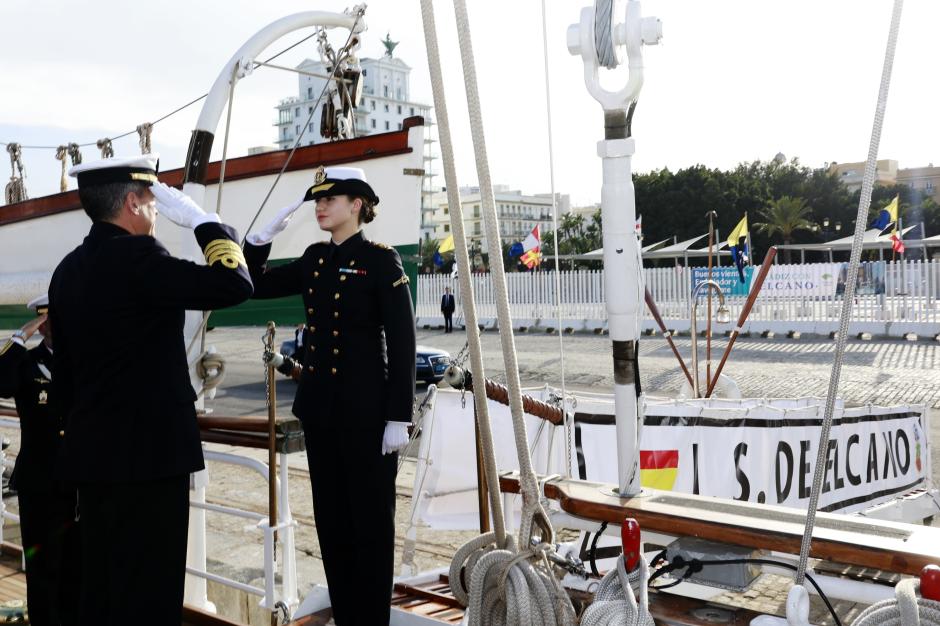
(598, 40)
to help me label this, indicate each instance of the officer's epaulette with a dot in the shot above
(381, 245)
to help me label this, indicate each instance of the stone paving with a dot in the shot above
(884, 372)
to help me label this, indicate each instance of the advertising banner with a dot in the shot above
(816, 280)
(727, 278)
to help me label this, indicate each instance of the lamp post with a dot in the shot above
(827, 232)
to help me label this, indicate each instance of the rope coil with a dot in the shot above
(615, 601)
(15, 190)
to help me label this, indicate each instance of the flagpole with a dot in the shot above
(900, 228)
(750, 249)
(708, 325)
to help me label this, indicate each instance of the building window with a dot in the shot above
(386, 108)
(386, 125)
(373, 123)
(297, 130)
(476, 228)
(446, 211)
(309, 92)
(297, 112)
(284, 132)
(446, 228)
(373, 105)
(412, 110)
(398, 94)
(284, 116)
(309, 110)
(399, 126)
(399, 109)
(310, 127)
(385, 93)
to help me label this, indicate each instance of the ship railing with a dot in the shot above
(278, 541)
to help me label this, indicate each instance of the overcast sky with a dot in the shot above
(734, 80)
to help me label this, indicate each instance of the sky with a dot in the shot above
(733, 81)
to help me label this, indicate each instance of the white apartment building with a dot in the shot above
(518, 214)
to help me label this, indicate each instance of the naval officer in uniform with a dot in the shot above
(117, 303)
(48, 517)
(356, 387)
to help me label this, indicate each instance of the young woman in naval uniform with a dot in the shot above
(357, 384)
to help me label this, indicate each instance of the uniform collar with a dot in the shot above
(343, 251)
(106, 230)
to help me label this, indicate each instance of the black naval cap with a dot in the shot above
(138, 169)
(340, 181)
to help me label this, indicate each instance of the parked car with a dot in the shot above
(430, 363)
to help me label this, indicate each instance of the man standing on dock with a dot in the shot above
(448, 306)
(118, 305)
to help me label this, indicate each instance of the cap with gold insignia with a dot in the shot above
(340, 181)
(138, 169)
(40, 304)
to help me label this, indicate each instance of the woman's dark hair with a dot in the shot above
(367, 212)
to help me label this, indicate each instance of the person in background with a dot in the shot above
(448, 306)
(357, 383)
(47, 504)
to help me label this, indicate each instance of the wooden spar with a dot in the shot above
(751, 298)
(654, 310)
(483, 498)
(863, 542)
(499, 393)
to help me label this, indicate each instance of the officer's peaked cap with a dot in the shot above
(139, 169)
(340, 181)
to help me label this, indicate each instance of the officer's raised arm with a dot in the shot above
(275, 281)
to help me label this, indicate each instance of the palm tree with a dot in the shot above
(785, 216)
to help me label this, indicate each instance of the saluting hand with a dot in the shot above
(30, 327)
(179, 208)
(276, 226)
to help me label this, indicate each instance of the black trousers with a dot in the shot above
(52, 546)
(134, 541)
(448, 322)
(353, 487)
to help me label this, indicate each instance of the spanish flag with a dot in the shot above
(659, 468)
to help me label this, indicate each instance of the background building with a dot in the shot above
(924, 179)
(518, 214)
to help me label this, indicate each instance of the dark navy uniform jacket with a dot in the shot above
(22, 378)
(117, 304)
(359, 346)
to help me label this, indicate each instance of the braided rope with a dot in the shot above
(603, 40)
(616, 603)
(849, 295)
(143, 132)
(905, 610)
(75, 153)
(15, 190)
(107, 150)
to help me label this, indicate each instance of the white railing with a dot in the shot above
(895, 298)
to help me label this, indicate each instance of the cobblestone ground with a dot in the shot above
(883, 372)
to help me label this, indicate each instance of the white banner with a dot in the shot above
(818, 279)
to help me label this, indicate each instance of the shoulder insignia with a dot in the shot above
(404, 280)
(380, 245)
(225, 251)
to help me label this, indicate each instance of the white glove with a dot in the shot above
(275, 226)
(395, 438)
(179, 208)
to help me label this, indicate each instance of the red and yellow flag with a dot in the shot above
(659, 468)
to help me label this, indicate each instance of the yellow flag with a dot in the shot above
(739, 231)
(447, 245)
(892, 210)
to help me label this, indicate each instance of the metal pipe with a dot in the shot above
(722, 310)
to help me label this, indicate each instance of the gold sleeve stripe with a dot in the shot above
(6, 347)
(147, 177)
(404, 280)
(225, 251)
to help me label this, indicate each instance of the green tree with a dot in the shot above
(784, 217)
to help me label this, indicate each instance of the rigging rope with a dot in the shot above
(906, 609)
(498, 536)
(506, 585)
(60, 154)
(551, 174)
(615, 601)
(849, 295)
(15, 190)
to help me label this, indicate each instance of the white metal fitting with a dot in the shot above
(632, 34)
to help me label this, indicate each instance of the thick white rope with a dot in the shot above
(616, 603)
(506, 586)
(849, 295)
(551, 174)
(531, 506)
(466, 292)
(905, 610)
